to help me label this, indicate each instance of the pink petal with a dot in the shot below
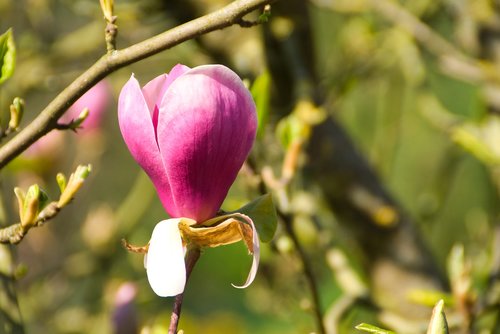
(155, 89)
(206, 128)
(153, 92)
(137, 130)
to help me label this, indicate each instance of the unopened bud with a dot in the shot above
(30, 209)
(34, 201)
(81, 118)
(266, 14)
(61, 181)
(74, 184)
(20, 199)
(16, 113)
(107, 10)
(82, 172)
(438, 323)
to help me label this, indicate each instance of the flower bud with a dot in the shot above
(16, 113)
(74, 184)
(191, 131)
(30, 204)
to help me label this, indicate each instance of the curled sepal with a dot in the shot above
(165, 259)
(225, 233)
(263, 213)
(135, 249)
(225, 230)
(256, 252)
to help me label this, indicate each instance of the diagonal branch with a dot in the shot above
(47, 120)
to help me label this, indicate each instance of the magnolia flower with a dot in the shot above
(190, 131)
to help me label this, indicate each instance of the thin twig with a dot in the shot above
(308, 272)
(47, 119)
(11, 320)
(192, 257)
(453, 61)
(13, 234)
(110, 34)
(262, 187)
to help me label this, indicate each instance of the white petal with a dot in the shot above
(165, 259)
(256, 253)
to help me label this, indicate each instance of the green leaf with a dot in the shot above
(373, 329)
(7, 55)
(261, 92)
(481, 140)
(290, 128)
(438, 324)
(263, 214)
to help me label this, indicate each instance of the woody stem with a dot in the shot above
(192, 256)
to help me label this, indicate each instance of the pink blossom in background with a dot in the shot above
(124, 318)
(49, 148)
(96, 99)
(191, 131)
(46, 146)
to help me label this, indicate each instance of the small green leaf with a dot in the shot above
(7, 55)
(261, 92)
(480, 140)
(438, 324)
(82, 172)
(290, 128)
(61, 181)
(44, 199)
(263, 214)
(77, 123)
(266, 14)
(373, 329)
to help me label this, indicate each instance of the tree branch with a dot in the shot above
(13, 234)
(47, 119)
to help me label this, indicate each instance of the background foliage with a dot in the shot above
(419, 107)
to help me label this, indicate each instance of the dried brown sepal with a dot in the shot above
(227, 232)
(135, 249)
(247, 233)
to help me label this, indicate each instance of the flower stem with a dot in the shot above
(192, 256)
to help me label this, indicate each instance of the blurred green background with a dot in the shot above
(424, 115)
